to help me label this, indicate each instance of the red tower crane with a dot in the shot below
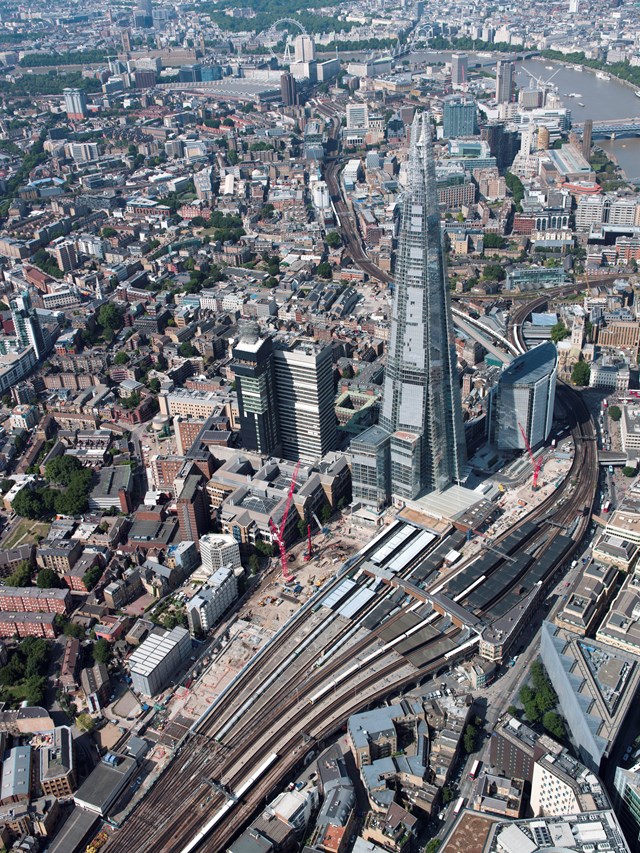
(278, 532)
(537, 463)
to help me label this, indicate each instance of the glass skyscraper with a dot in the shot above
(421, 409)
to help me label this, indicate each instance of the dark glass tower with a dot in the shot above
(422, 408)
(255, 381)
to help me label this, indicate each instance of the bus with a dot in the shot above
(458, 806)
(474, 769)
(606, 506)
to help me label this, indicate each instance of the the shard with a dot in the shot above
(421, 410)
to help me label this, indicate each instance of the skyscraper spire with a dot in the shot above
(421, 408)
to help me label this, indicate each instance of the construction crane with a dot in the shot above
(278, 532)
(537, 463)
(309, 553)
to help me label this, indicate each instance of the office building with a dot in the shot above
(305, 394)
(27, 325)
(154, 662)
(288, 89)
(458, 116)
(523, 400)
(504, 82)
(370, 469)
(459, 67)
(255, 385)
(218, 551)
(596, 686)
(145, 78)
(421, 410)
(212, 601)
(190, 73)
(357, 117)
(627, 801)
(304, 49)
(75, 103)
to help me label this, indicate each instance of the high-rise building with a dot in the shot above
(627, 801)
(586, 138)
(145, 78)
(190, 73)
(523, 399)
(192, 503)
(574, 7)
(459, 67)
(27, 325)
(305, 393)
(304, 49)
(75, 103)
(504, 82)
(218, 550)
(503, 143)
(255, 385)
(357, 117)
(65, 255)
(458, 116)
(421, 409)
(288, 89)
(126, 41)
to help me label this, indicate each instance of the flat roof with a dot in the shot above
(531, 366)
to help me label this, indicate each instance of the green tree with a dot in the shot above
(469, 738)
(580, 374)
(494, 241)
(187, 350)
(72, 629)
(554, 724)
(529, 703)
(34, 690)
(433, 846)
(333, 240)
(48, 579)
(629, 471)
(21, 575)
(447, 795)
(515, 186)
(92, 576)
(110, 317)
(62, 469)
(325, 513)
(121, 358)
(265, 548)
(154, 385)
(559, 332)
(615, 413)
(109, 232)
(254, 564)
(101, 651)
(324, 270)
(494, 272)
(5, 485)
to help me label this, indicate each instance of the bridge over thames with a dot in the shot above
(608, 126)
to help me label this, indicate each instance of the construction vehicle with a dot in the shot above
(278, 532)
(536, 463)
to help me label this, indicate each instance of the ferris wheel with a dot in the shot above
(272, 37)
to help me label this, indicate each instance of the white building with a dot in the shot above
(213, 601)
(218, 551)
(154, 662)
(357, 117)
(304, 49)
(304, 382)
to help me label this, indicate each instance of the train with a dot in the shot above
(223, 810)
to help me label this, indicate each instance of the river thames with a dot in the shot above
(602, 99)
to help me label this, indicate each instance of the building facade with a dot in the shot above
(421, 409)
